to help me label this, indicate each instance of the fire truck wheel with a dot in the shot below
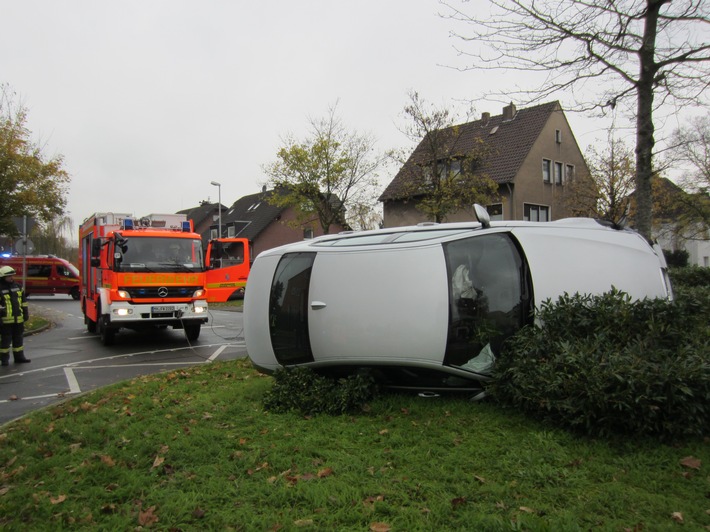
(192, 332)
(90, 324)
(107, 333)
(75, 294)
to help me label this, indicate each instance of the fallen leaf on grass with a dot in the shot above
(325, 472)
(677, 517)
(198, 513)
(148, 517)
(380, 527)
(107, 460)
(691, 462)
(158, 461)
(57, 500)
(303, 522)
(370, 501)
(458, 501)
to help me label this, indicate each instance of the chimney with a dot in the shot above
(485, 117)
(509, 111)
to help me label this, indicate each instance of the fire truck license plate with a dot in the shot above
(164, 308)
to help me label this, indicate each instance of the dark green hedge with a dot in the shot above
(605, 365)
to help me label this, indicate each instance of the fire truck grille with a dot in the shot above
(157, 292)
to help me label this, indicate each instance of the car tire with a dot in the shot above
(192, 332)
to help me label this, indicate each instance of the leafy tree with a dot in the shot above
(637, 54)
(327, 175)
(444, 173)
(30, 183)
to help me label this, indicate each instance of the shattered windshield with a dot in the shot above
(159, 254)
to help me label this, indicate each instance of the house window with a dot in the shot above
(546, 170)
(455, 168)
(569, 172)
(307, 233)
(230, 231)
(558, 173)
(558, 136)
(495, 211)
(536, 213)
(213, 234)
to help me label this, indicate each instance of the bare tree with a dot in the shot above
(638, 54)
(691, 150)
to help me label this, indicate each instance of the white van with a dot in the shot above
(428, 306)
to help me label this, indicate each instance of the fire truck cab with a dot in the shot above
(141, 272)
(228, 261)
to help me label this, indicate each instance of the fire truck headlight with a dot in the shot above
(124, 294)
(123, 311)
(199, 310)
(198, 293)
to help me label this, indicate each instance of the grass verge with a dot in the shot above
(193, 449)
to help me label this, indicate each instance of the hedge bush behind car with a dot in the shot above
(690, 276)
(604, 364)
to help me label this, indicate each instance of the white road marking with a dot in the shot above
(74, 387)
(71, 379)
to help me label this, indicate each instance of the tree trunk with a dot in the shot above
(644, 120)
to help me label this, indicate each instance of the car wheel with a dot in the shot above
(192, 332)
(108, 333)
(74, 294)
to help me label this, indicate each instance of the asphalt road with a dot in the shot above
(67, 360)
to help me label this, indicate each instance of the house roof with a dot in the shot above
(509, 141)
(251, 214)
(199, 213)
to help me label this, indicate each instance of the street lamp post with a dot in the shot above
(219, 207)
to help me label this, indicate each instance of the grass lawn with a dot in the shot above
(193, 449)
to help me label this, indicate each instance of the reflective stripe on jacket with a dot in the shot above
(13, 299)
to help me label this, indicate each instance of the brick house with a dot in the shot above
(264, 224)
(532, 155)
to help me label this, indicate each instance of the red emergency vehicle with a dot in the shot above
(141, 272)
(44, 274)
(228, 260)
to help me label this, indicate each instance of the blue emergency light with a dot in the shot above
(127, 223)
(186, 226)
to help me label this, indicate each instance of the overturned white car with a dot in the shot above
(427, 307)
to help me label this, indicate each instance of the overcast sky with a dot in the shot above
(149, 101)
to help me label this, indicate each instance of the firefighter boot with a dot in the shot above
(20, 359)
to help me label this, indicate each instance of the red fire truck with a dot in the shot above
(228, 260)
(141, 272)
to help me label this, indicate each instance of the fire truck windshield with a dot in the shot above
(160, 254)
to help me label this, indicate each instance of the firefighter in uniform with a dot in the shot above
(14, 312)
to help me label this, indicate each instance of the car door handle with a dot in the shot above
(317, 305)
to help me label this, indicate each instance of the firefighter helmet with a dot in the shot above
(6, 271)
